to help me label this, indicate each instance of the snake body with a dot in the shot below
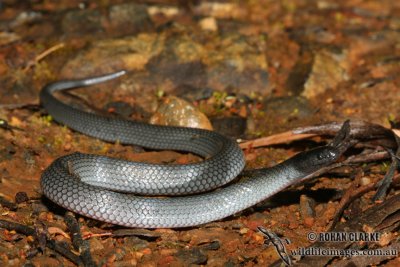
(112, 190)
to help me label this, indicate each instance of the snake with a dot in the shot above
(138, 194)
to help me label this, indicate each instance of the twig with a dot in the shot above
(349, 196)
(42, 55)
(6, 126)
(359, 130)
(385, 183)
(79, 244)
(7, 204)
(89, 235)
(31, 106)
(26, 230)
(352, 194)
(275, 139)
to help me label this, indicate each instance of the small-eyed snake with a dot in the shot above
(113, 190)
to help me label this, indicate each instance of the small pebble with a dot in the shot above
(231, 246)
(293, 225)
(168, 251)
(118, 107)
(16, 122)
(307, 210)
(243, 231)
(208, 24)
(308, 221)
(233, 126)
(67, 147)
(258, 238)
(192, 256)
(185, 237)
(139, 255)
(214, 245)
(329, 212)
(191, 93)
(49, 216)
(146, 251)
(328, 70)
(175, 111)
(135, 243)
(95, 245)
(365, 181)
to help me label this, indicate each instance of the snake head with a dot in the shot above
(314, 159)
(323, 156)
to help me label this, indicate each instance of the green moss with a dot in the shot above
(160, 93)
(43, 72)
(58, 141)
(220, 98)
(46, 120)
(384, 167)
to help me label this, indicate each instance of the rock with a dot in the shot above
(167, 11)
(131, 53)
(307, 210)
(26, 17)
(126, 263)
(8, 37)
(309, 221)
(307, 206)
(95, 245)
(192, 256)
(299, 74)
(234, 126)
(289, 107)
(365, 181)
(21, 197)
(208, 24)
(118, 107)
(180, 62)
(213, 245)
(229, 263)
(227, 76)
(29, 157)
(168, 68)
(236, 63)
(178, 112)
(232, 246)
(129, 18)
(239, 64)
(123, 19)
(312, 36)
(168, 251)
(7, 153)
(328, 70)
(38, 208)
(135, 244)
(192, 93)
(82, 21)
(244, 230)
(219, 9)
(4, 203)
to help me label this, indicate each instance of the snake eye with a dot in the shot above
(326, 155)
